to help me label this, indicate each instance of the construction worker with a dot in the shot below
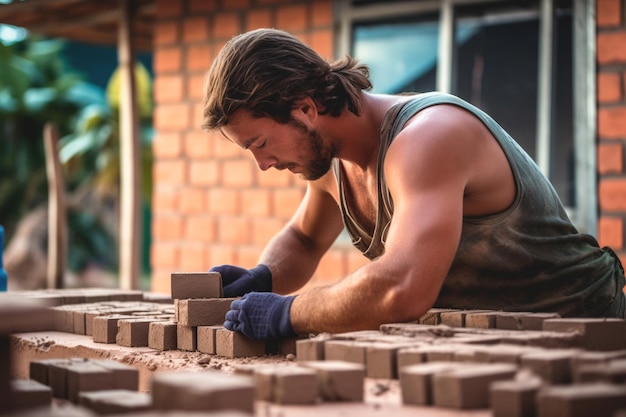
(447, 206)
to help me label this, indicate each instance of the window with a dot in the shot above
(528, 63)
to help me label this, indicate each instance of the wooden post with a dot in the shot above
(130, 193)
(57, 221)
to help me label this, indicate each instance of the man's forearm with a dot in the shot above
(291, 261)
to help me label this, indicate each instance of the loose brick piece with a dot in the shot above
(509, 320)
(416, 381)
(286, 385)
(133, 332)
(115, 401)
(57, 378)
(338, 380)
(187, 338)
(551, 366)
(468, 386)
(162, 335)
(504, 354)
(196, 285)
(236, 345)
(105, 328)
(310, 349)
(28, 393)
(597, 333)
(581, 400)
(514, 398)
(202, 391)
(203, 311)
(207, 339)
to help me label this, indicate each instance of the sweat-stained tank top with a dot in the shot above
(529, 257)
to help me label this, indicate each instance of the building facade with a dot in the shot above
(552, 72)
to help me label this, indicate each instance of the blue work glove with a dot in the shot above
(238, 281)
(261, 315)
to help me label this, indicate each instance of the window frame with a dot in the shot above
(584, 213)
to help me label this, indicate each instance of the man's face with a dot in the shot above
(294, 146)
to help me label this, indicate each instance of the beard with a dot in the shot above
(318, 154)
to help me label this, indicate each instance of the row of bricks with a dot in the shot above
(506, 391)
(443, 384)
(58, 297)
(78, 318)
(30, 397)
(384, 354)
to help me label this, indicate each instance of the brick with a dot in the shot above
(381, 360)
(481, 320)
(226, 25)
(292, 18)
(167, 60)
(467, 387)
(610, 47)
(105, 328)
(125, 377)
(87, 376)
(456, 318)
(287, 385)
(610, 158)
(611, 123)
(416, 381)
(258, 19)
(608, 13)
(611, 232)
(202, 391)
(28, 393)
(187, 338)
(133, 332)
(116, 401)
(162, 335)
(505, 353)
(196, 285)
(57, 378)
(207, 339)
(338, 380)
(613, 372)
(203, 312)
(514, 398)
(609, 87)
(235, 345)
(581, 400)
(552, 366)
(310, 349)
(345, 350)
(38, 370)
(597, 333)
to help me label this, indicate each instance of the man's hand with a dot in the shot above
(239, 281)
(261, 316)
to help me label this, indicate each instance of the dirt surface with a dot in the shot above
(382, 397)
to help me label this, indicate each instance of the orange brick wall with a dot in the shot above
(611, 58)
(212, 205)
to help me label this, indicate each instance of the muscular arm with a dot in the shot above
(293, 254)
(427, 170)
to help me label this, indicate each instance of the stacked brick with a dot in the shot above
(200, 313)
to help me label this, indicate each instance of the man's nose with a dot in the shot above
(264, 162)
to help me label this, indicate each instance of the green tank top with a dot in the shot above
(529, 257)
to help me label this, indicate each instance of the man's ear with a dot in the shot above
(307, 108)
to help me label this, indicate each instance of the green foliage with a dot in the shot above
(36, 87)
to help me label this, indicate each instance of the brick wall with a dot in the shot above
(211, 203)
(611, 58)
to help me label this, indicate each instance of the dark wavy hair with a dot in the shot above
(266, 71)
